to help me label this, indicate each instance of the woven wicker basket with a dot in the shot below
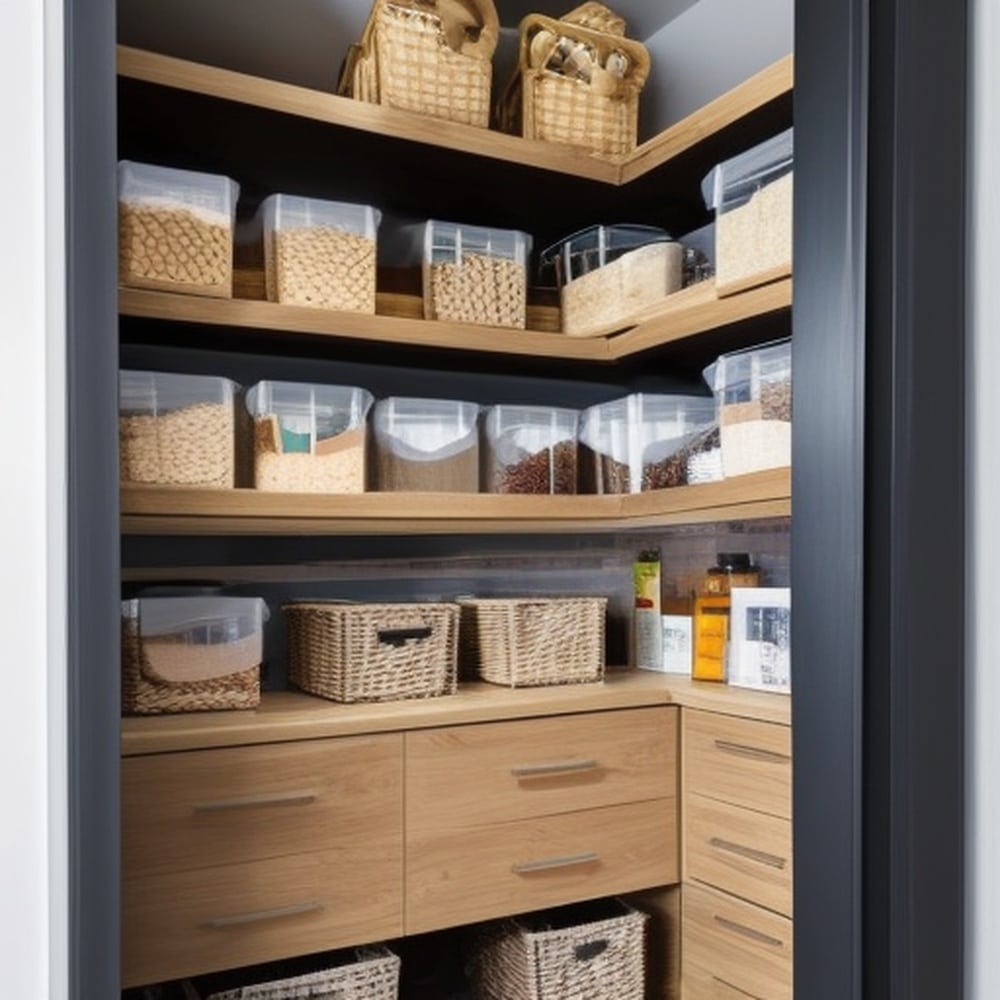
(599, 109)
(373, 652)
(429, 56)
(578, 953)
(535, 641)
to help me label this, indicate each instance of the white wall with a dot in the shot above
(32, 511)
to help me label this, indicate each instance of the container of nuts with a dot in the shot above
(175, 229)
(530, 449)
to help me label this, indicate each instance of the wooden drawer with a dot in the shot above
(746, 853)
(733, 949)
(183, 811)
(491, 871)
(474, 776)
(200, 921)
(740, 761)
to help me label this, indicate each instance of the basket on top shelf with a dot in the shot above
(577, 81)
(429, 56)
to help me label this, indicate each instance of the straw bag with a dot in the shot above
(430, 56)
(577, 82)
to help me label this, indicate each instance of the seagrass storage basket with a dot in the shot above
(373, 652)
(534, 641)
(429, 56)
(575, 953)
(577, 81)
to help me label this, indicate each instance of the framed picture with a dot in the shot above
(760, 625)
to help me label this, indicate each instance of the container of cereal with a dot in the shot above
(176, 430)
(175, 229)
(530, 449)
(309, 438)
(426, 445)
(753, 390)
(319, 253)
(647, 442)
(751, 196)
(607, 274)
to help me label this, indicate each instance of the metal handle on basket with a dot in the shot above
(750, 853)
(257, 916)
(399, 636)
(545, 864)
(302, 798)
(553, 767)
(748, 932)
(754, 753)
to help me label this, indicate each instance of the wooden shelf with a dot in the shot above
(165, 510)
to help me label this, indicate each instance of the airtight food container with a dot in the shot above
(530, 449)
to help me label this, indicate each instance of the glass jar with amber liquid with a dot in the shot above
(711, 613)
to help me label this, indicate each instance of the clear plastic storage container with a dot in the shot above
(647, 442)
(426, 445)
(176, 430)
(309, 438)
(175, 229)
(607, 274)
(530, 449)
(319, 253)
(753, 390)
(751, 195)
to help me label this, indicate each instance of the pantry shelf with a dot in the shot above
(164, 510)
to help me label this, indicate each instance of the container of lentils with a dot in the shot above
(530, 449)
(753, 390)
(425, 445)
(649, 442)
(309, 438)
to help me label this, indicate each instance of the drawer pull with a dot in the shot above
(555, 767)
(754, 753)
(748, 932)
(302, 798)
(546, 864)
(750, 853)
(735, 989)
(258, 916)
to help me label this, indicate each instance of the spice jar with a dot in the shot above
(731, 569)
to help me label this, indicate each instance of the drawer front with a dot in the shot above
(493, 871)
(201, 921)
(727, 944)
(184, 811)
(746, 853)
(473, 776)
(740, 761)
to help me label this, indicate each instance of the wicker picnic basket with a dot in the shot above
(373, 652)
(534, 641)
(430, 56)
(577, 81)
(589, 950)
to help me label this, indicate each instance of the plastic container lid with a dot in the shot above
(592, 248)
(163, 392)
(146, 182)
(307, 413)
(734, 181)
(197, 621)
(283, 211)
(426, 427)
(736, 377)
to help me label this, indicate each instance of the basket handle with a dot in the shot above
(400, 636)
(590, 950)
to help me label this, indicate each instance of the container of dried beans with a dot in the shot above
(309, 438)
(175, 229)
(530, 449)
(751, 195)
(648, 442)
(176, 430)
(753, 390)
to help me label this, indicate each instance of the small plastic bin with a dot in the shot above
(607, 274)
(647, 442)
(425, 445)
(309, 438)
(175, 229)
(319, 253)
(530, 449)
(753, 390)
(373, 652)
(176, 430)
(751, 195)
(594, 949)
(189, 654)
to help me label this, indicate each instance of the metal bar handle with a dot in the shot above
(299, 798)
(553, 767)
(750, 853)
(748, 932)
(754, 753)
(735, 989)
(546, 864)
(258, 916)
